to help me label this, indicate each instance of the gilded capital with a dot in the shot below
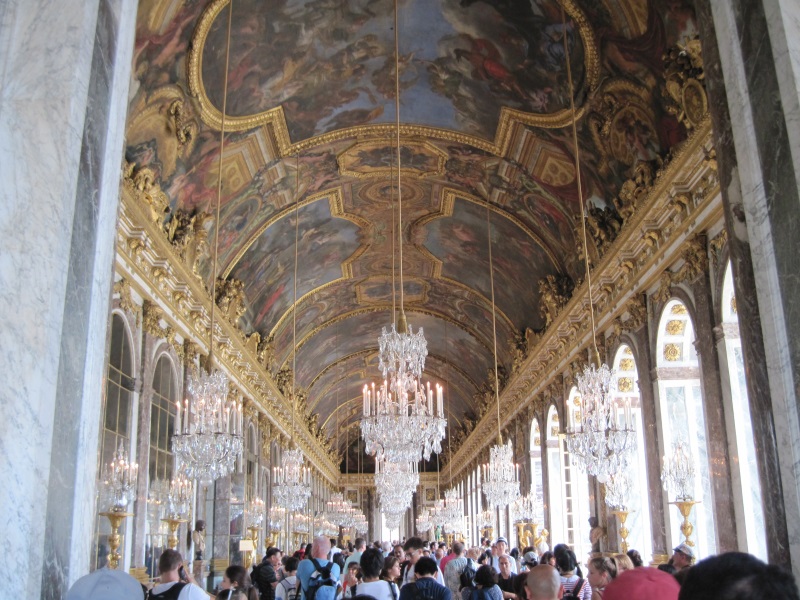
(151, 316)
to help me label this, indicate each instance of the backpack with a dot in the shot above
(467, 575)
(288, 588)
(577, 591)
(171, 594)
(321, 582)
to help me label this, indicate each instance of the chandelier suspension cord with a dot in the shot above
(402, 326)
(494, 324)
(219, 185)
(394, 250)
(294, 306)
(596, 356)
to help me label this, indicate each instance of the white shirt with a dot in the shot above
(287, 582)
(189, 592)
(380, 590)
(409, 577)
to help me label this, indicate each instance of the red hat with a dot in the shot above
(642, 582)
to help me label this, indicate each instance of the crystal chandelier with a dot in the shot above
(119, 480)
(424, 523)
(486, 519)
(678, 472)
(277, 517)
(524, 509)
(361, 526)
(210, 440)
(254, 513)
(402, 356)
(336, 508)
(207, 440)
(301, 523)
(404, 427)
(604, 439)
(291, 481)
(396, 482)
(179, 498)
(501, 476)
(392, 518)
(618, 489)
(453, 511)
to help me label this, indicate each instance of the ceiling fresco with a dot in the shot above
(485, 124)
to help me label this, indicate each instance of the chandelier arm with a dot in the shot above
(596, 357)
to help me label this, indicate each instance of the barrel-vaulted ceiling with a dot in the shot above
(485, 129)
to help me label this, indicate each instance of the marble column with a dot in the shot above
(64, 77)
(713, 408)
(752, 81)
(645, 368)
(545, 472)
(220, 551)
(145, 384)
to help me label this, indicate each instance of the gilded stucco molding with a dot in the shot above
(631, 266)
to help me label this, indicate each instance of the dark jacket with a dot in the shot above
(425, 588)
(264, 579)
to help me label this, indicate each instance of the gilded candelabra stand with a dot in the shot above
(622, 516)
(487, 532)
(173, 523)
(115, 518)
(685, 508)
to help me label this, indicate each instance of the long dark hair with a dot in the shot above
(389, 562)
(238, 575)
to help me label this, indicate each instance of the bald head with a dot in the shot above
(544, 583)
(320, 547)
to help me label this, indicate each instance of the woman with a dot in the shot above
(485, 586)
(566, 563)
(372, 565)
(391, 569)
(236, 585)
(485, 558)
(624, 563)
(602, 570)
(636, 558)
(548, 559)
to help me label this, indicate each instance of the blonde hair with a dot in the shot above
(604, 564)
(624, 563)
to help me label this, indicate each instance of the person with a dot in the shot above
(351, 579)
(548, 558)
(371, 565)
(543, 582)
(624, 563)
(485, 558)
(505, 580)
(682, 557)
(644, 583)
(391, 569)
(438, 555)
(501, 547)
(199, 539)
(334, 549)
(266, 576)
(386, 548)
(287, 587)
(425, 586)
(514, 554)
(455, 564)
(602, 571)
(413, 548)
(567, 563)
(636, 558)
(172, 573)
(485, 586)
(359, 547)
(519, 585)
(318, 563)
(450, 556)
(737, 576)
(236, 585)
(106, 584)
(529, 561)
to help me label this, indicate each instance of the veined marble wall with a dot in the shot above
(63, 91)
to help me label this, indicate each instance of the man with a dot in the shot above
(438, 555)
(455, 564)
(286, 588)
(501, 547)
(506, 579)
(266, 576)
(170, 569)
(359, 547)
(386, 548)
(334, 550)
(413, 548)
(682, 557)
(106, 584)
(318, 560)
(543, 583)
(425, 586)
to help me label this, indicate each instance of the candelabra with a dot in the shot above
(618, 488)
(178, 501)
(119, 482)
(678, 476)
(277, 517)
(486, 523)
(254, 515)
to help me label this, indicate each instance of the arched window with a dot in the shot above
(162, 420)
(537, 485)
(743, 446)
(683, 418)
(116, 425)
(638, 502)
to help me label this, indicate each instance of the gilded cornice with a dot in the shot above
(633, 264)
(147, 260)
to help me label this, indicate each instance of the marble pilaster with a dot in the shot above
(222, 522)
(716, 432)
(752, 87)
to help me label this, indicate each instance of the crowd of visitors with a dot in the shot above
(419, 570)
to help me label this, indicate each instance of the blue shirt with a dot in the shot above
(306, 568)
